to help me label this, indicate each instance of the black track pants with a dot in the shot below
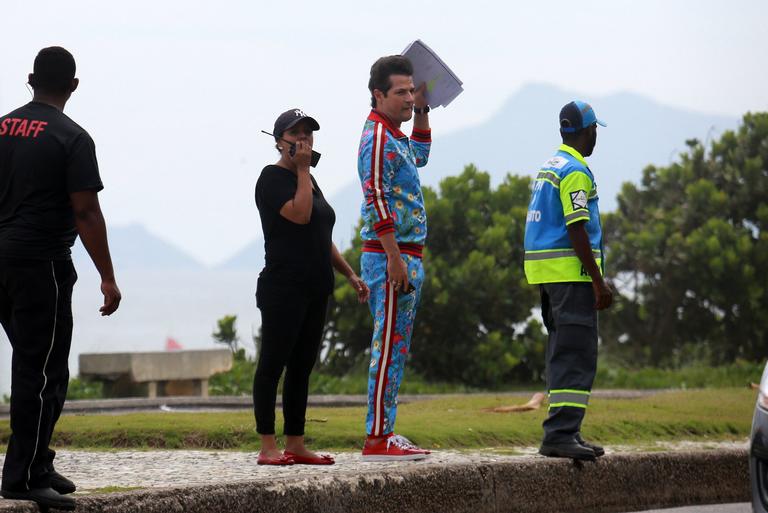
(36, 313)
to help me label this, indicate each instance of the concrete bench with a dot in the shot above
(155, 374)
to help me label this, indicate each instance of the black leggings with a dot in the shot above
(290, 339)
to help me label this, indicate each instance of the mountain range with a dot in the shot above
(134, 247)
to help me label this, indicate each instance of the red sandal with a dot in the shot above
(323, 459)
(280, 460)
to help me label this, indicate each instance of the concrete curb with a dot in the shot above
(615, 483)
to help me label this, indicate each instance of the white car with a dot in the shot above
(758, 450)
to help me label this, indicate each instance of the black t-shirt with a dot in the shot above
(44, 156)
(298, 256)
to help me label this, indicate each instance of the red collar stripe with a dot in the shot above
(379, 117)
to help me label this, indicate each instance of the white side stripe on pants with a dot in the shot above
(390, 304)
(45, 377)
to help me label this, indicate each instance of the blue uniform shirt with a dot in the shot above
(564, 192)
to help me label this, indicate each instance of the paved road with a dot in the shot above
(742, 507)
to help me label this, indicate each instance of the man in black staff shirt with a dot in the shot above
(49, 181)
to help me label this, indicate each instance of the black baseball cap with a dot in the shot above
(289, 118)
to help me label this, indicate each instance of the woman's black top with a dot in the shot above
(298, 256)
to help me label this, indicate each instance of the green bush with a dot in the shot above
(239, 381)
(236, 381)
(357, 383)
(85, 389)
(737, 374)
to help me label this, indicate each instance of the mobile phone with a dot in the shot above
(314, 159)
(292, 151)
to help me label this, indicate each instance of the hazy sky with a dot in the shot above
(175, 93)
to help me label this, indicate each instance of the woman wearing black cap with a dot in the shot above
(293, 288)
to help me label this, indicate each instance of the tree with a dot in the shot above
(473, 324)
(227, 332)
(689, 251)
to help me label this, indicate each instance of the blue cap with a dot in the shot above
(577, 115)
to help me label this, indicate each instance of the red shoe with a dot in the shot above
(323, 459)
(280, 460)
(393, 448)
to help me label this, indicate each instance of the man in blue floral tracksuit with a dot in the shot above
(393, 234)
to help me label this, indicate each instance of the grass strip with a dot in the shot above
(456, 422)
(109, 489)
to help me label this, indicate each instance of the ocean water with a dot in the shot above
(184, 305)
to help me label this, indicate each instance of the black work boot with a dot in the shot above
(44, 497)
(599, 451)
(60, 483)
(570, 449)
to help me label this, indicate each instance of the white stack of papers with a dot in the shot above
(442, 84)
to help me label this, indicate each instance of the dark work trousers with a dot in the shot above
(291, 333)
(36, 313)
(571, 320)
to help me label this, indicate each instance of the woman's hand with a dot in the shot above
(303, 156)
(363, 292)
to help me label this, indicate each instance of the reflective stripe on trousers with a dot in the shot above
(575, 398)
